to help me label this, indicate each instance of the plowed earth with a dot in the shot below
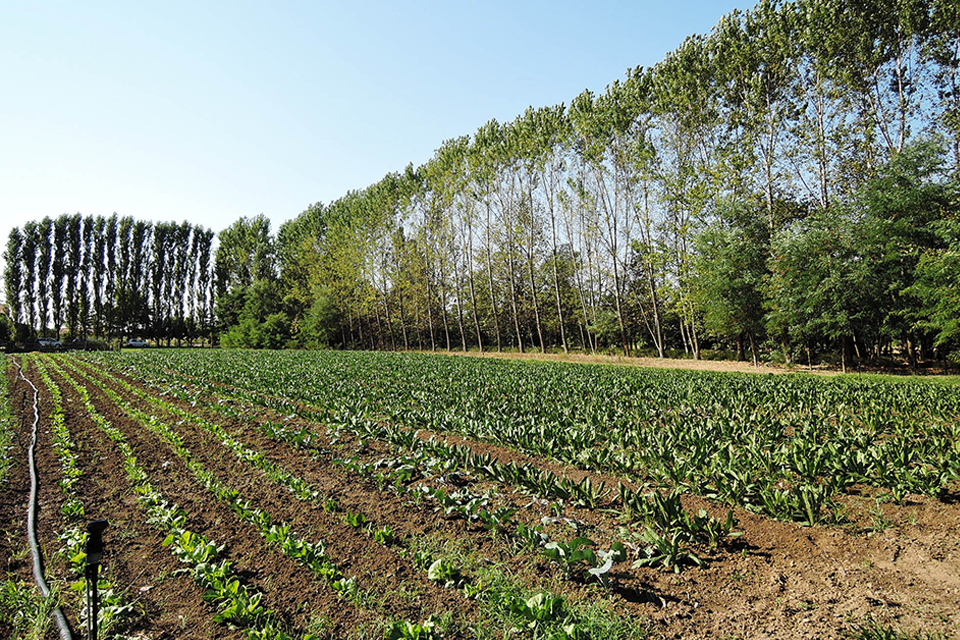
(778, 580)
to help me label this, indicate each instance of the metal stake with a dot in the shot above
(92, 573)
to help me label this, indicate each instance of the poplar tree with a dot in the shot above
(72, 260)
(99, 266)
(29, 256)
(45, 245)
(13, 274)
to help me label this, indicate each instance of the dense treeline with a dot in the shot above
(787, 181)
(87, 276)
(785, 186)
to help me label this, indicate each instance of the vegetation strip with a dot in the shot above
(114, 607)
(38, 574)
(311, 555)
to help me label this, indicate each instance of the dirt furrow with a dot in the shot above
(135, 560)
(790, 581)
(633, 591)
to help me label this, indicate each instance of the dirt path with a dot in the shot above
(657, 363)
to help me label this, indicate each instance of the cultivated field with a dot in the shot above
(371, 495)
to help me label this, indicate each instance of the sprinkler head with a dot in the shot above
(94, 548)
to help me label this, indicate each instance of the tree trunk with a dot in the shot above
(513, 304)
(493, 299)
(463, 335)
(536, 306)
(556, 291)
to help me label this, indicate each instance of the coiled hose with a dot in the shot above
(32, 515)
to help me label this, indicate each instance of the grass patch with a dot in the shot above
(24, 611)
(875, 630)
(7, 423)
(510, 608)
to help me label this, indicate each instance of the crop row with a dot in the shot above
(239, 604)
(276, 533)
(114, 608)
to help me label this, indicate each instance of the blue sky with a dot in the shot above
(208, 111)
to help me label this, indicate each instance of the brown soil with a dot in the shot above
(779, 580)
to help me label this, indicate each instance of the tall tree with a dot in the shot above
(58, 269)
(13, 274)
(73, 260)
(99, 267)
(85, 268)
(245, 254)
(29, 255)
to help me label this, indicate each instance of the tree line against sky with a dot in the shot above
(107, 276)
(783, 185)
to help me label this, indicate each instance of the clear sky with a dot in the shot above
(208, 111)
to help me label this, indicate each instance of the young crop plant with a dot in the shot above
(665, 514)
(429, 629)
(385, 536)
(578, 561)
(499, 520)
(445, 573)
(532, 537)
(667, 552)
(355, 520)
(541, 613)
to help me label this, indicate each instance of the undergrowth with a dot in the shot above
(24, 611)
(874, 630)
(7, 422)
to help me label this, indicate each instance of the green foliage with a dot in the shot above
(262, 321)
(321, 322)
(783, 445)
(384, 535)
(668, 552)
(874, 630)
(445, 572)
(8, 423)
(429, 629)
(27, 613)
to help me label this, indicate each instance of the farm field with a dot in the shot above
(376, 495)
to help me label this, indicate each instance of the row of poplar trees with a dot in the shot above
(785, 183)
(99, 276)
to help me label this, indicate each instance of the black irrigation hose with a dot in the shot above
(32, 516)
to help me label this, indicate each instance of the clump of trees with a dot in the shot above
(784, 186)
(107, 276)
